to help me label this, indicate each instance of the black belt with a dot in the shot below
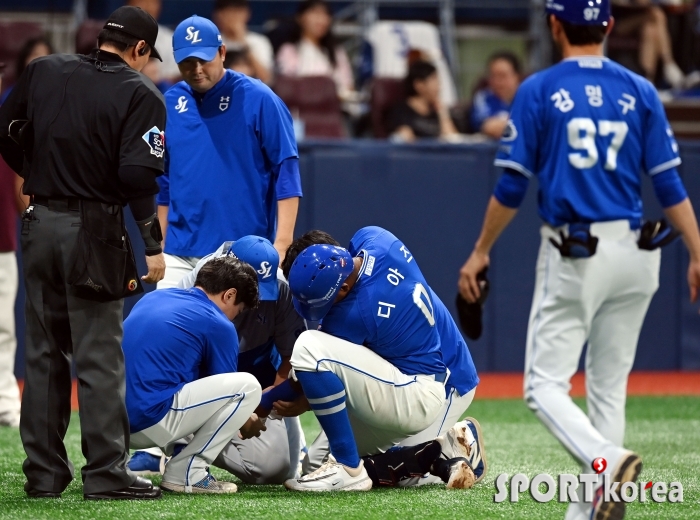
(63, 204)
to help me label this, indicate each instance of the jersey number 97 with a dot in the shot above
(582, 132)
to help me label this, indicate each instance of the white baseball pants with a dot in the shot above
(9, 391)
(212, 409)
(385, 406)
(602, 300)
(176, 267)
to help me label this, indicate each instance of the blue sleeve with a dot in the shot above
(364, 235)
(163, 197)
(511, 189)
(275, 129)
(288, 179)
(660, 147)
(669, 188)
(222, 349)
(345, 322)
(520, 142)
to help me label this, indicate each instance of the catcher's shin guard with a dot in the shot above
(387, 469)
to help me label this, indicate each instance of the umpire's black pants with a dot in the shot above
(60, 324)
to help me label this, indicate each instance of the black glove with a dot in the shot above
(655, 234)
(470, 313)
(579, 243)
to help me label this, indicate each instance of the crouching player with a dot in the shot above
(455, 437)
(374, 375)
(180, 351)
(266, 338)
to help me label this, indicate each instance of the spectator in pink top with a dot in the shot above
(313, 51)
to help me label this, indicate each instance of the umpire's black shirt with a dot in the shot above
(93, 116)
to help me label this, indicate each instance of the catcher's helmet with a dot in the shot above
(315, 277)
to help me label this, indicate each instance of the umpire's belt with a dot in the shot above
(62, 204)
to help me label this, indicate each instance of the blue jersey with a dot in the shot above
(389, 309)
(230, 155)
(486, 104)
(587, 128)
(455, 352)
(172, 337)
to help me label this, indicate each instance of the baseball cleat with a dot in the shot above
(627, 470)
(477, 459)
(144, 464)
(208, 485)
(465, 440)
(461, 474)
(332, 476)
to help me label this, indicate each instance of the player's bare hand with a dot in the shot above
(156, 269)
(694, 280)
(252, 427)
(292, 408)
(468, 285)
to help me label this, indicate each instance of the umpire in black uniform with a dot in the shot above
(85, 133)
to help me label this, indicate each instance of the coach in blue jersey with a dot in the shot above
(587, 128)
(232, 165)
(181, 373)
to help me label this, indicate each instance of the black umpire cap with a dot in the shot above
(135, 22)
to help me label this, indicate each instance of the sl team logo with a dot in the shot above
(155, 139)
(609, 491)
(265, 269)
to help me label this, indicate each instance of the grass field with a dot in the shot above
(664, 430)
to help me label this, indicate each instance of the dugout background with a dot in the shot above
(433, 197)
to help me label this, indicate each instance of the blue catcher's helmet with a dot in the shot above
(580, 12)
(315, 277)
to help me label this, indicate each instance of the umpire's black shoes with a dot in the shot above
(35, 493)
(141, 489)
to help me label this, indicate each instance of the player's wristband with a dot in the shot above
(151, 234)
(282, 392)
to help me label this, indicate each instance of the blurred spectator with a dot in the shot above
(422, 114)
(240, 61)
(313, 51)
(648, 21)
(31, 50)
(11, 204)
(166, 72)
(491, 105)
(231, 17)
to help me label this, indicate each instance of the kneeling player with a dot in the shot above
(266, 339)
(460, 387)
(180, 351)
(375, 375)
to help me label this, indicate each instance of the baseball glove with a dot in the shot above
(470, 314)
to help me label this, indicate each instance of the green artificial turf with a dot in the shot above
(665, 431)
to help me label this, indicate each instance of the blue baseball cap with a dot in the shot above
(580, 12)
(263, 257)
(315, 278)
(196, 37)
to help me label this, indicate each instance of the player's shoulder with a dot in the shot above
(178, 89)
(250, 87)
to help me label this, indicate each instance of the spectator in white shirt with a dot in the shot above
(167, 69)
(313, 51)
(231, 17)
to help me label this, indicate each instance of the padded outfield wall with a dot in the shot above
(433, 197)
